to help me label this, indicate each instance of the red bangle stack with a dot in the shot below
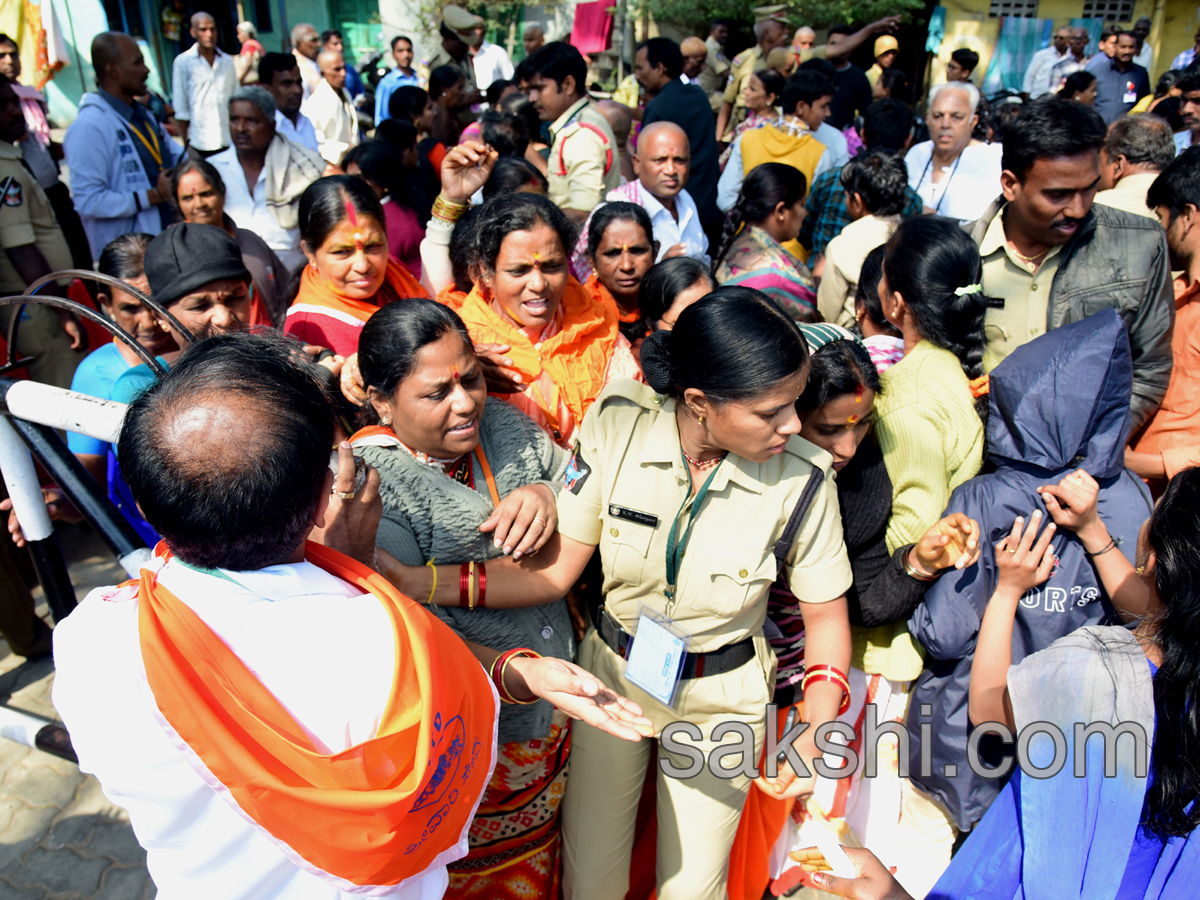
(822, 672)
(496, 673)
(467, 585)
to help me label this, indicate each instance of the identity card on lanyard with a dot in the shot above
(654, 660)
(655, 656)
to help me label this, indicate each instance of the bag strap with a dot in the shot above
(784, 544)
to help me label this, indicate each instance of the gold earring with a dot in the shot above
(1140, 570)
(384, 421)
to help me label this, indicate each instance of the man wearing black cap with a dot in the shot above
(196, 273)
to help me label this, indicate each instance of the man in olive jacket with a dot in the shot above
(1051, 257)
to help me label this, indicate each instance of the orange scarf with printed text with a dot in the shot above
(384, 811)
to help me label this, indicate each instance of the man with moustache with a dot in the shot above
(1051, 256)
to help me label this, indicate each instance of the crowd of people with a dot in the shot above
(576, 436)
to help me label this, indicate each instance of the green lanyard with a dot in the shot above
(675, 544)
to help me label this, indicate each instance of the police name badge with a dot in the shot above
(655, 656)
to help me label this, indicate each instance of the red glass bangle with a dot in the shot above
(464, 584)
(833, 679)
(823, 667)
(497, 672)
(482, 585)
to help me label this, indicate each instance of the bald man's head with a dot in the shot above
(120, 68)
(535, 38)
(804, 38)
(305, 40)
(333, 68)
(620, 120)
(204, 30)
(663, 160)
(227, 455)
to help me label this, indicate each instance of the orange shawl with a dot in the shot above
(315, 291)
(380, 813)
(451, 296)
(567, 371)
(600, 293)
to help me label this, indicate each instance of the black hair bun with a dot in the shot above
(656, 361)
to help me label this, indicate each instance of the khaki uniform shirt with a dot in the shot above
(442, 58)
(583, 158)
(625, 486)
(26, 217)
(1024, 290)
(743, 66)
(715, 74)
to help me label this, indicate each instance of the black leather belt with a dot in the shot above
(695, 665)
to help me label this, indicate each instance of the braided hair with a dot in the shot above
(764, 189)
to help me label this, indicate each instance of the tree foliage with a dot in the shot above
(696, 14)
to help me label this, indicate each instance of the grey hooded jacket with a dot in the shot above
(1119, 260)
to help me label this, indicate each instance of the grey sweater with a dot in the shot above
(427, 515)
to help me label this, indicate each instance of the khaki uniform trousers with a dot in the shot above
(697, 817)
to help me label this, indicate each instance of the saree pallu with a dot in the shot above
(516, 836)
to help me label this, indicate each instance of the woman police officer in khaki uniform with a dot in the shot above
(686, 485)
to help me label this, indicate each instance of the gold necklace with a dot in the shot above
(1029, 260)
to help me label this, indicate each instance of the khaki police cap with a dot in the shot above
(771, 14)
(458, 19)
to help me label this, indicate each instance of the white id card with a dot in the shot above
(655, 656)
(1129, 97)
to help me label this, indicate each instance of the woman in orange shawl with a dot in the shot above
(349, 273)
(621, 249)
(557, 344)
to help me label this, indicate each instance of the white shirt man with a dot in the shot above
(333, 119)
(201, 96)
(249, 210)
(491, 63)
(1037, 76)
(210, 848)
(301, 131)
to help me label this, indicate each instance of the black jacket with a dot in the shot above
(1119, 260)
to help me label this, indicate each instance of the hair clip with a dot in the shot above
(969, 289)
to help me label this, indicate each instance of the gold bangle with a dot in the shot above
(449, 210)
(471, 585)
(528, 654)
(433, 589)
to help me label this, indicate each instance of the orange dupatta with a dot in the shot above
(380, 813)
(574, 361)
(600, 293)
(315, 291)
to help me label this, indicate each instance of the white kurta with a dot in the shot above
(332, 115)
(322, 647)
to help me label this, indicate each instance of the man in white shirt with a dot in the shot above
(306, 44)
(331, 110)
(280, 75)
(662, 164)
(265, 174)
(1145, 55)
(1075, 60)
(212, 724)
(204, 78)
(1037, 76)
(491, 63)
